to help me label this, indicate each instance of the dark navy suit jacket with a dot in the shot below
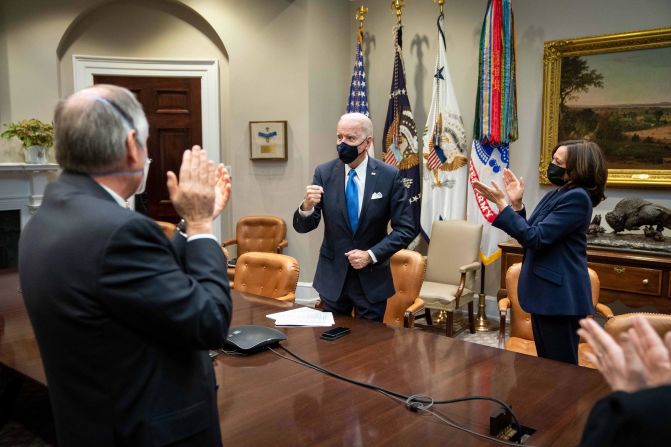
(554, 279)
(386, 183)
(124, 319)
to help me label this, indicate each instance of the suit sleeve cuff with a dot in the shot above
(201, 236)
(372, 256)
(305, 213)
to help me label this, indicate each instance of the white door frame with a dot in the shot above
(84, 67)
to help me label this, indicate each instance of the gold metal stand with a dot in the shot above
(442, 316)
(481, 322)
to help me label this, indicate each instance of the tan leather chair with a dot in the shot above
(521, 334)
(452, 261)
(618, 324)
(168, 228)
(271, 275)
(258, 233)
(407, 271)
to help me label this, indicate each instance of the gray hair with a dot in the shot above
(91, 127)
(365, 123)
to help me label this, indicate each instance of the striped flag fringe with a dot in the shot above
(495, 125)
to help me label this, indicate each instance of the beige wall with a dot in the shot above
(277, 65)
(291, 60)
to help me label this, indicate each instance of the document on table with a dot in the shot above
(303, 316)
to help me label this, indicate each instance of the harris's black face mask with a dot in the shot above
(556, 174)
(347, 153)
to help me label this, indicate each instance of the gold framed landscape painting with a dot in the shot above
(268, 140)
(615, 90)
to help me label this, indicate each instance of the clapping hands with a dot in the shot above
(514, 189)
(641, 359)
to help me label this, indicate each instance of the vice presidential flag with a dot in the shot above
(400, 132)
(495, 120)
(444, 149)
(358, 98)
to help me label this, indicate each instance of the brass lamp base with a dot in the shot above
(481, 322)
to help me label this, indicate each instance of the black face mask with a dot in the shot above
(556, 174)
(347, 153)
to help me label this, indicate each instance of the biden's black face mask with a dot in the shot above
(347, 153)
(556, 174)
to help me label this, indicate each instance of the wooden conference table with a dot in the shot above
(267, 400)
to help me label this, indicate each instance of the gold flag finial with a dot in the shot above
(440, 3)
(397, 7)
(361, 15)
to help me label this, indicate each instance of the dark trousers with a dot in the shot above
(353, 297)
(556, 336)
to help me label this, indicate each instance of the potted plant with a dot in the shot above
(37, 137)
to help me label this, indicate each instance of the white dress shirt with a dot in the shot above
(124, 204)
(360, 180)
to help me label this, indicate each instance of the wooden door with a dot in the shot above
(173, 109)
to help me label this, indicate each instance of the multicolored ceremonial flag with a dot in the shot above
(486, 164)
(444, 148)
(358, 98)
(495, 120)
(400, 132)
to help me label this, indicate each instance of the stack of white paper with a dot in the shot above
(302, 316)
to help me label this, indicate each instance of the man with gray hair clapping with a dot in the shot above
(123, 316)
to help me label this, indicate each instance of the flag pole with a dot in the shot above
(482, 324)
(360, 15)
(397, 7)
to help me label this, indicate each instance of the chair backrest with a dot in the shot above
(453, 243)
(168, 228)
(271, 275)
(615, 326)
(259, 233)
(407, 271)
(520, 320)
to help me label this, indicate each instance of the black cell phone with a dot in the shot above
(335, 333)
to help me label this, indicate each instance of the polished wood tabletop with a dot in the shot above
(267, 400)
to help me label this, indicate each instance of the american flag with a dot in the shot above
(358, 100)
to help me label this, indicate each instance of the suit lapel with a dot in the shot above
(371, 182)
(546, 203)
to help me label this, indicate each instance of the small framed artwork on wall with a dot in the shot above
(268, 140)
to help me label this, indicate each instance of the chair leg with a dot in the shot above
(471, 318)
(427, 316)
(449, 323)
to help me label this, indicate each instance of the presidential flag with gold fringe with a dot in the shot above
(495, 120)
(400, 132)
(444, 148)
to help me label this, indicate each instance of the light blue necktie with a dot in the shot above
(352, 197)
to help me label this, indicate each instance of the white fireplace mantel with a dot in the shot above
(22, 186)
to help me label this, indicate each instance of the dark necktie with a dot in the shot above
(352, 197)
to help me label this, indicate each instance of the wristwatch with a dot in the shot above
(181, 226)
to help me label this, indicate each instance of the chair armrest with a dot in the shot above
(228, 242)
(281, 245)
(604, 310)
(473, 266)
(416, 306)
(291, 296)
(409, 314)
